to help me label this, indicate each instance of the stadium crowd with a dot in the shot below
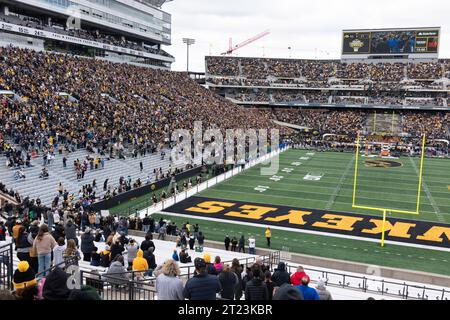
(389, 83)
(46, 250)
(93, 35)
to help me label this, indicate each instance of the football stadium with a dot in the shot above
(127, 177)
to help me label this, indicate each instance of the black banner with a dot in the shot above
(147, 189)
(359, 225)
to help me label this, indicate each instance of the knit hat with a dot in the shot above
(320, 284)
(288, 292)
(85, 293)
(24, 276)
(207, 258)
(55, 287)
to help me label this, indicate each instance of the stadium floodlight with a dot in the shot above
(188, 42)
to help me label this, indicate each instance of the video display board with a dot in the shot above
(405, 41)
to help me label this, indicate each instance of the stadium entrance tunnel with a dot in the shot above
(426, 233)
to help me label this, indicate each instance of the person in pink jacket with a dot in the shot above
(43, 246)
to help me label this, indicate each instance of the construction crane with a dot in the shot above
(246, 42)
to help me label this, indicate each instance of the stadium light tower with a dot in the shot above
(188, 43)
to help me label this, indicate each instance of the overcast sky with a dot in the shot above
(311, 28)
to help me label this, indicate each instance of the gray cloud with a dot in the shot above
(311, 28)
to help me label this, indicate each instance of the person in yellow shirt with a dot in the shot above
(268, 236)
(140, 264)
(15, 230)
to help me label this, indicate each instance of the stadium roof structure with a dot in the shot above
(155, 3)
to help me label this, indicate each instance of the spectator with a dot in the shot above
(55, 286)
(218, 265)
(184, 257)
(24, 243)
(241, 244)
(256, 289)
(151, 261)
(322, 291)
(148, 243)
(234, 243)
(168, 284)
(132, 250)
(269, 284)
(308, 292)
(251, 245)
(280, 275)
(117, 273)
(140, 263)
(105, 257)
(175, 255)
(287, 292)
(71, 231)
(202, 286)
(87, 244)
(24, 278)
(228, 280)
(58, 252)
(43, 246)
(268, 234)
(227, 242)
(71, 255)
(296, 278)
(237, 270)
(210, 269)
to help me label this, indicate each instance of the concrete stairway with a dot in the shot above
(46, 190)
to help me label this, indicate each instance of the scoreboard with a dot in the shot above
(422, 41)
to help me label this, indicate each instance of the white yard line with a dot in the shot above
(433, 203)
(340, 184)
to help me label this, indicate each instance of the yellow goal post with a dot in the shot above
(385, 210)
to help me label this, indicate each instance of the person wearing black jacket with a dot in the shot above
(71, 231)
(23, 245)
(280, 275)
(151, 260)
(241, 244)
(227, 242)
(202, 286)
(116, 249)
(87, 244)
(59, 231)
(229, 281)
(184, 257)
(256, 289)
(148, 243)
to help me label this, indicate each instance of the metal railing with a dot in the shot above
(395, 289)
(6, 266)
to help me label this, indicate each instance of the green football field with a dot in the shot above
(391, 188)
(394, 187)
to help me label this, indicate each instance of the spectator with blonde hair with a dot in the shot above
(168, 284)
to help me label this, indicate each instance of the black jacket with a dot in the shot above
(115, 250)
(256, 289)
(229, 282)
(87, 243)
(202, 287)
(147, 244)
(280, 275)
(71, 231)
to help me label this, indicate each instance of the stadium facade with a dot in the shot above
(116, 30)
